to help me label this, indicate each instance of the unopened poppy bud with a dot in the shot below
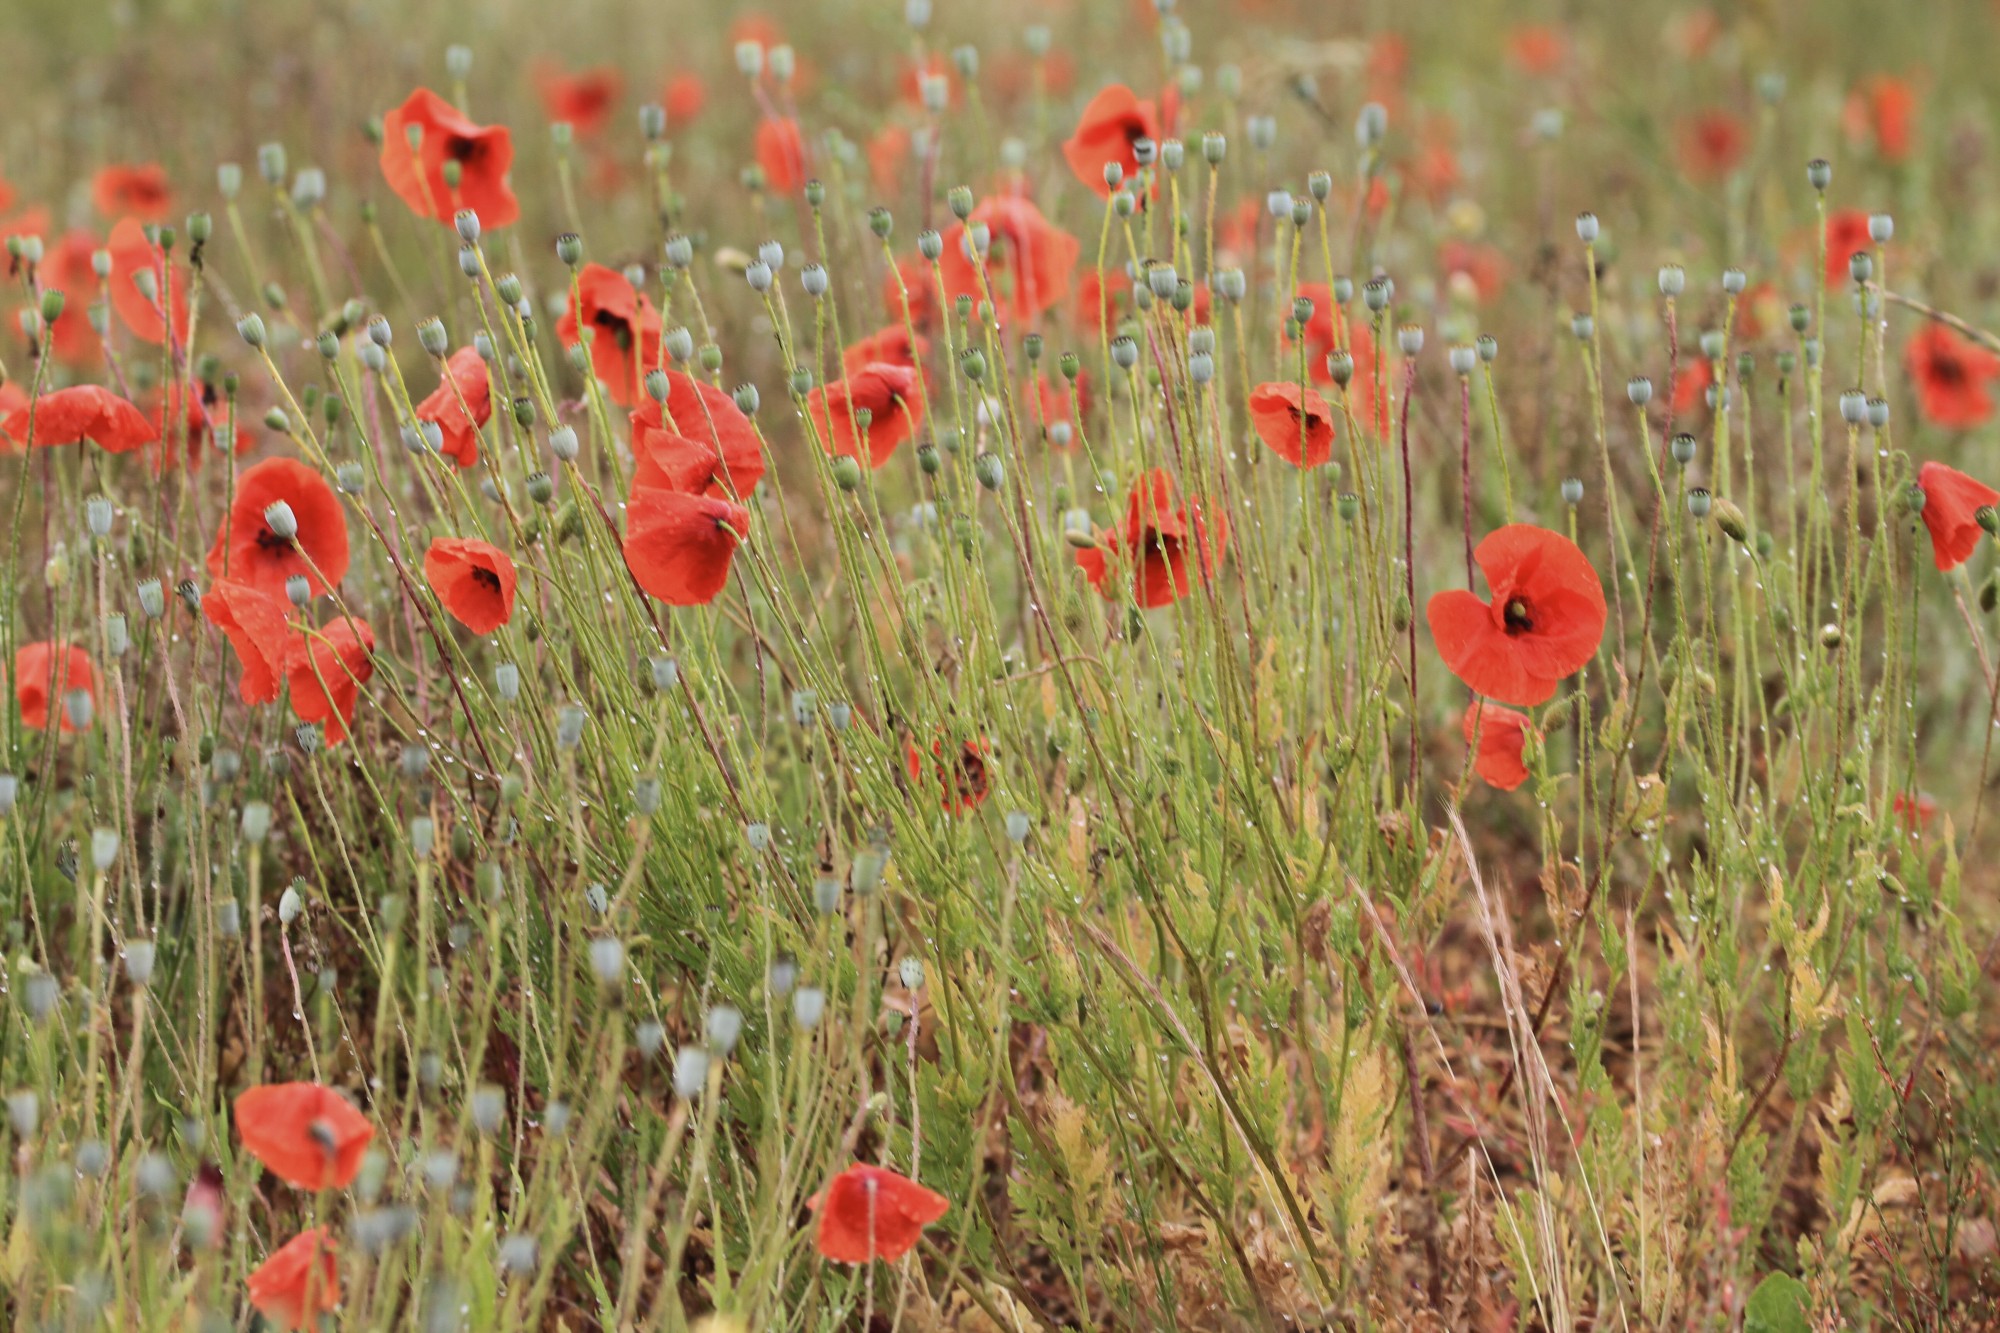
(758, 835)
(432, 336)
(276, 420)
(607, 960)
(1376, 294)
(569, 249)
(809, 1006)
(152, 599)
(758, 274)
(1988, 518)
(229, 179)
(291, 903)
(1878, 412)
(251, 329)
(1717, 397)
(990, 471)
(1730, 519)
(814, 279)
(724, 1026)
(710, 357)
(782, 63)
(1640, 390)
(1572, 491)
(1162, 279)
(1410, 338)
(1201, 369)
(1673, 280)
(1371, 125)
(1700, 502)
(1586, 227)
(507, 682)
(563, 444)
(282, 522)
(846, 473)
(97, 515)
(1682, 447)
(657, 385)
(747, 399)
(1829, 635)
(117, 637)
(139, 957)
(690, 1072)
(570, 719)
(1811, 349)
(298, 590)
(929, 459)
(350, 478)
(679, 343)
(1463, 359)
(1348, 506)
(1340, 366)
(1861, 266)
(1582, 327)
(1854, 407)
(190, 594)
(1734, 281)
(1819, 174)
(1399, 611)
(972, 364)
(666, 672)
(882, 222)
(24, 1113)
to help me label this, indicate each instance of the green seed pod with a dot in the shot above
(990, 471)
(847, 473)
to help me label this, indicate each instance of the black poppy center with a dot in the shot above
(1947, 371)
(268, 540)
(1518, 617)
(461, 149)
(486, 579)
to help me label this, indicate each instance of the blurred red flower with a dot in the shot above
(1691, 385)
(1028, 262)
(891, 344)
(464, 388)
(1951, 373)
(1296, 425)
(1712, 144)
(67, 269)
(298, 1283)
(889, 157)
(781, 152)
(1482, 267)
(962, 778)
(137, 264)
(684, 96)
(1153, 544)
(869, 1212)
(889, 394)
(482, 154)
(1538, 49)
(305, 1134)
(910, 284)
(1544, 622)
(625, 331)
(82, 412)
(1846, 236)
(1115, 119)
(1359, 344)
(1502, 734)
(132, 190)
(475, 581)
(1917, 811)
(679, 546)
(248, 550)
(46, 673)
(1883, 111)
(327, 670)
(199, 427)
(258, 626)
(583, 99)
(1952, 502)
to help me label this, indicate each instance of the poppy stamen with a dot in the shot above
(1517, 619)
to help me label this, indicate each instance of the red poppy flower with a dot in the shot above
(1544, 622)
(684, 96)
(1537, 50)
(83, 412)
(890, 396)
(199, 425)
(1917, 812)
(132, 255)
(245, 547)
(1712, 144)
(583, 100)
(1691, 385)
(1883, 110)
(258, 626)
(963, 778)
(67, 268)
(306, 1134)
(1100, 305)
(868, 1212)
(327, 670)
(12, 399)
(465, 387)
(891, 345)
(1297, 426)
(475, 580)
(702, 413)
(1359, 344)
(938, 65)
(299, 1283)
(417, 175)
(910, 283)
(1055, 398)
(1846, 236)
(1153, 544)
(678, 546)
(132, 190)
(45, 674)
(889, 150)
(781, 152)
(1502, 734)
(1028, 261)
(625, 331)
(1951, 372)
(1115, 119)
(1469, 264)
(1952, 502)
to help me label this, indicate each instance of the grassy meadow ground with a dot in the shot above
(704, 679)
